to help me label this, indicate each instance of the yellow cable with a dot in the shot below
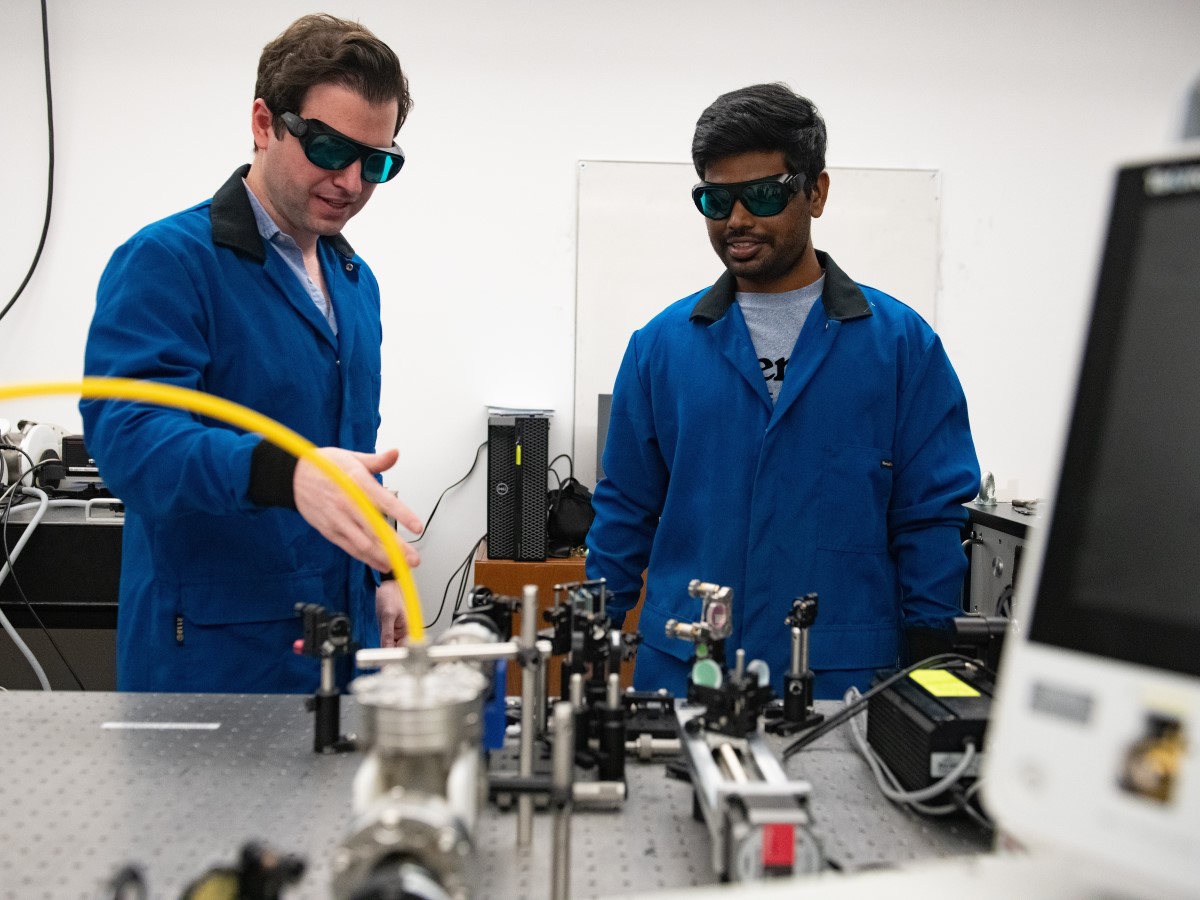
(245, 418)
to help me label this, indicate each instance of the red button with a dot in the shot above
(778, 847)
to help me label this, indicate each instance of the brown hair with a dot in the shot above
(323, 49)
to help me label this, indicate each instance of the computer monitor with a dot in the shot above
(1094, 747)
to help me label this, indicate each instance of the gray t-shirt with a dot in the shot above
(775, 321)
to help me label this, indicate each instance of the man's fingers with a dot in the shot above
(379, 461)
(335, 515)
(411, 555)
(387, 630)
(361, 544)
(368, 543)
(399, 511)
(355, 535)
(393, 616)
(358, 539)
(385, 500)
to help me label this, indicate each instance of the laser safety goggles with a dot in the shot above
(761, 197)
(328, 148)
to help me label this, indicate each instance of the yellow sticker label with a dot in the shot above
(941, 683)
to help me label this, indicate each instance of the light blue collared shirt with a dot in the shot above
(291, 254)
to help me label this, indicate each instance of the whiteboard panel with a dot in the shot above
(641, 245)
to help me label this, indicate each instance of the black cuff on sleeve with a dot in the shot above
(271, 472)
(387, 576)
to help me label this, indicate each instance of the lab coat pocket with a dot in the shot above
(855, 489)
(268, 598)
(653, 627)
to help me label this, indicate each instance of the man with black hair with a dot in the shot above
(255, 296)
(845, 479)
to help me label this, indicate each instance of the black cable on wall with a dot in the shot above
(50, 171)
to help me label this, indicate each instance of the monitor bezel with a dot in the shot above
(1058, 618)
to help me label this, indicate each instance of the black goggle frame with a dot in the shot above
(762, 197)
(327, 148)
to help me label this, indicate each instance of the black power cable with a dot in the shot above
(570, 468)
(6, 444)
(425, 531)
(50, 172)
(849, 711)
(464, 567)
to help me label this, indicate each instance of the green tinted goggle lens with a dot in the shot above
(330, 149)
(761, 197)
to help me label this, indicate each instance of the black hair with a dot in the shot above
(763, 117)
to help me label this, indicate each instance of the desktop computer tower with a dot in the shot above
(518, 457)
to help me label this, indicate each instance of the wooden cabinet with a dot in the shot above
(509, 577)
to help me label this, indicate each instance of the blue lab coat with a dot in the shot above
(209, 581)
(850, 486)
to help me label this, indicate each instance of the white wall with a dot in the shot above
(1024, 107)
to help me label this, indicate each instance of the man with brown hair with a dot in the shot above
(256, 296)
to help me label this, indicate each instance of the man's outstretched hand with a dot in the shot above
(326, 507)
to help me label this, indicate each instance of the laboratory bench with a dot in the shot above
(176, 784)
